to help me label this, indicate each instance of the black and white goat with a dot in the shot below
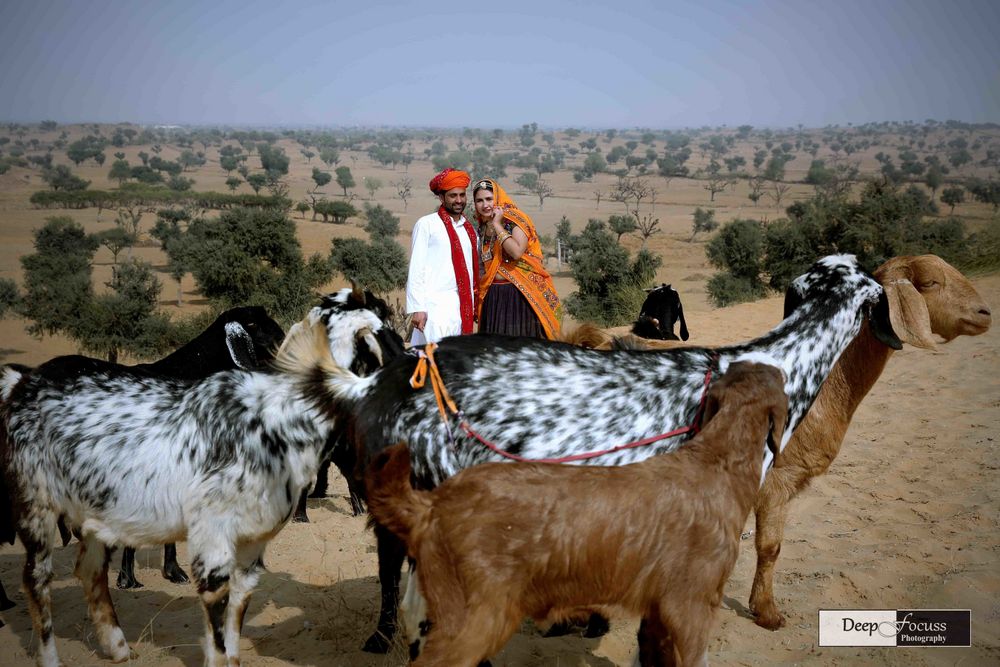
(541, 400)
(357, 343)
(661, 310)
(130, 458)
(244, 337)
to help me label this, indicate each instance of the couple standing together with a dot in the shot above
(495, 277)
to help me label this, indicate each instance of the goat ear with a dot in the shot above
(684, 325)
(369, 338)
(240, 346)
(792, 301)
(911, 322)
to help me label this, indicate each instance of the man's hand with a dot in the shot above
(419, 319)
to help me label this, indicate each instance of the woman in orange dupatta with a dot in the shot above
(516, 294)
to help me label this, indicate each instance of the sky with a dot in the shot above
(558, 63)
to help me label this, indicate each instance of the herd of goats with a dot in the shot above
(455, 453)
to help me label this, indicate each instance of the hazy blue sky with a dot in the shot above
(615, 63)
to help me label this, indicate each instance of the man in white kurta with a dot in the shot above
(432, 291)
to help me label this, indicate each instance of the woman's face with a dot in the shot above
(483, 200)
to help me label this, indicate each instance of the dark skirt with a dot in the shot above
(506, 311)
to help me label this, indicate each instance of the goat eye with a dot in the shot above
(929, 284)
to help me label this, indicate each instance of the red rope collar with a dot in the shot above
(426, 362)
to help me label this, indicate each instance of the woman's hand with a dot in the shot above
(497, 221)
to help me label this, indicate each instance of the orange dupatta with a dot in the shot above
(526, 273)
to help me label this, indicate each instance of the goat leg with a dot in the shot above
(5, 602)
(770, 513)
(322, 480)
(92, 571)
(299, 516)
(172, 570)
(391, 554)
(37, 579)
(126, 575)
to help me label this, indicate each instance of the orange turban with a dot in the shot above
(448, 179)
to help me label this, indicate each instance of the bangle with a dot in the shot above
(504, 237)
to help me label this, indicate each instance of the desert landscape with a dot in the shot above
(908, 517)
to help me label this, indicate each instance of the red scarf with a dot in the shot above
(466, 295)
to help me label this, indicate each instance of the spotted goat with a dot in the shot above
(244, 337)
(129, 458)
(540, 400)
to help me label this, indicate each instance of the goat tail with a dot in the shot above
(392, 500)
(587, 335)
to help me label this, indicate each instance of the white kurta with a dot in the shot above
(431, 285)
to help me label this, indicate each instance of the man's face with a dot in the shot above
(454, 201)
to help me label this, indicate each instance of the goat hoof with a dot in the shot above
(126, 582)
(377, 643)
(317, 493)
(175, 574)
(300, 518)
(769, 620)
(597, 626)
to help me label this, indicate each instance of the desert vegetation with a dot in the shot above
(212, 211)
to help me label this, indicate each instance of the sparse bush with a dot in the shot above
(610, 286)
(726, 289)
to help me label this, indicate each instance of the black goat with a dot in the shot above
(660, 311)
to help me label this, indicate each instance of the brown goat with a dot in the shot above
(501, 541)
(927, 297)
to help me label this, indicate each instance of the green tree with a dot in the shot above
(339, 211)
(329, 156)
(61, 177)
(594, 163)
(302, 207)
(704, 221)
(120, 171)
(952, 196)
(737, 249)
(10, 299)
(57, 285)
(253, 256)
(124, 321)
(233, 183)
(115, 239)
(320, 178)
(273, 160)
(985, 191)
(621, 225)
(372, 184)
(933, 178)
(344, 178)
(381, 222)
(256, 181)
(174, 240)
(380, 265)
(610, 286)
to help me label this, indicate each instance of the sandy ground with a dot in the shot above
(907, 517)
